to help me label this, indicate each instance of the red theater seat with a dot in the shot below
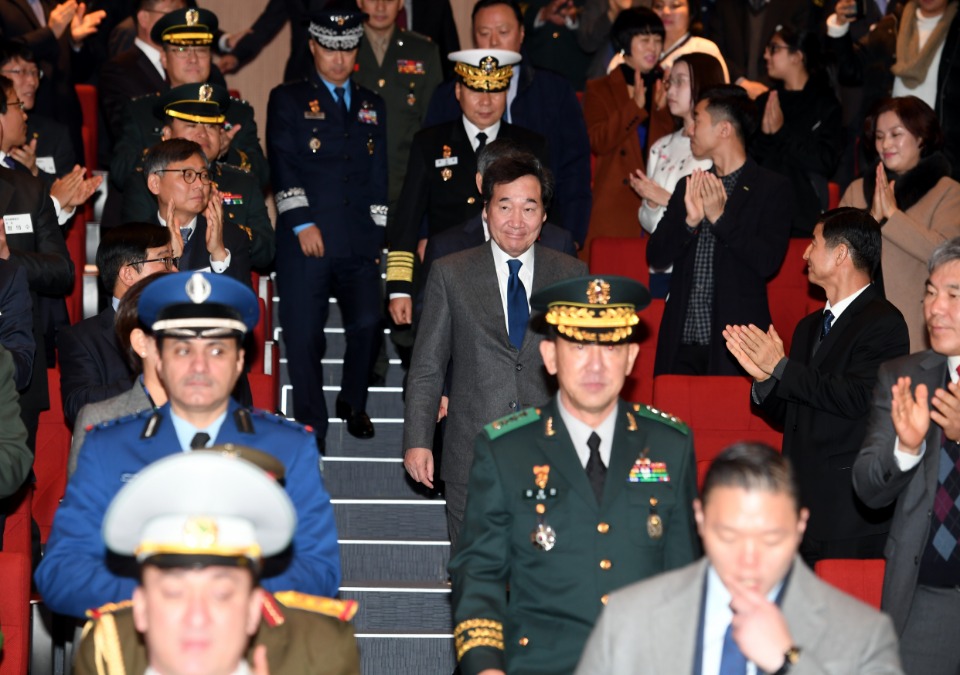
(717, 408)
(790, 294)
(863, 579)
(639, 385)
(624, 256)
(50, 464)
(15, 612)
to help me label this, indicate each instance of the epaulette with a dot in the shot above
(339, 609)
(278, 419)
(108, 608)
(511, 422)
(106, 424)
(245, 165)
(142, 97)
(240, 100)
(150, 428)
(243, 420)
(663, 417)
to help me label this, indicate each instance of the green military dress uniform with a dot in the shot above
(527, 475)
(406, 80)
(304, 635)
(142, 129)
(243, 205)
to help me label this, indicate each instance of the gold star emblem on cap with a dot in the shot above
(206, 92)
(489, 64)
(598, 292)
(200, 533)
(341, 20)
(192, 17)
(198, 288)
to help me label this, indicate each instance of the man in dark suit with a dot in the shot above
(725, 232)
(541, 101)
(911, 457)
(134, 72)
(92, 366)
(439, 189)
(191, 209)
(496, 368)
(30, 238)
(820, 395)
(573, 499)
(328, 153)
(16, 321)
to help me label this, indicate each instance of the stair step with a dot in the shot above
(388, 441)
(391, 653)
(417, 520)
(417, 607)
(369, 478)
(333, 372)
(336, 342)
(394, 560)
(381, 401)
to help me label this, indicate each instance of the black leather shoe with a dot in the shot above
(358, 422)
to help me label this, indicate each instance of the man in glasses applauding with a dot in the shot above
(191, 209)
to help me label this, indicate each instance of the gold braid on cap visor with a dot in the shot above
(583, 323)
(480, 78)
(199, 37)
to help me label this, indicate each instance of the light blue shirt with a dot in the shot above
(186, 431)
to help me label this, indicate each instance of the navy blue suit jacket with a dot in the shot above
(92, 367)
(16, 321)
(546, 104)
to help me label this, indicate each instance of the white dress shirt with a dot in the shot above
(580, 432)
(153, 54)
(472, 131)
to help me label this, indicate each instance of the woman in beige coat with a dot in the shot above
(912, 196)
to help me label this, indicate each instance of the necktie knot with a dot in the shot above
(827, 323)
(185, 233)
(339, 91)
(481, 140)
(8, 162)
(200, 440)
(514, 265)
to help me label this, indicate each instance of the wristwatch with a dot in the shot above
(790, 659)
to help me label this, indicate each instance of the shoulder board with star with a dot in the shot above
(279, 420)
(656, 415)
(106, 424)
(339, 609)
(511, 422)
(109, 608)
(236, 99)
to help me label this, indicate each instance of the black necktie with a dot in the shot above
(827, 324)
(596, 471)
(341, 99)
(481, 141)
(518, 313)
(200, 440)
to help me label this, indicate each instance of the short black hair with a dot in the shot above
(806, 42)
(165, 153)
(632, 22)
(126, 244)
(11, 49)
(509, 169)
(499, 149)
(859, 231)
(730, 103)
(752, 466)
(6, 85)
(483, 4)
(128, 318)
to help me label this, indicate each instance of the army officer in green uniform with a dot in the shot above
(200, 524)
(573, 500)
(196, 112)
(404, 68)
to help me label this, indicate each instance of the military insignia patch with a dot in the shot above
(410, 67)
(367, 115)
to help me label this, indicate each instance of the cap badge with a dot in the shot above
(489, 64)
(198, 288)
(192, 17)
(598, 292)
(200, 533)
(340, 20)
(206, 92)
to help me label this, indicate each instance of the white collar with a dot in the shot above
(472, 130)
(152, 54)
(838, 308)
(190, 225)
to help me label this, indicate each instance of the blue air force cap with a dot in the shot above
(198, 304)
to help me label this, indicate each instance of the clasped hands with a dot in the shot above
(705, 197)
(912, 413)
(884, 200)
(757, 351)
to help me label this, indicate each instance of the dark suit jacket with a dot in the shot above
(443, 203)
(879, 482)
(467, 330)
(92, 368)
(123, 77)
(196, 257)
(752, 236)
(53, 140)
(823, 402)
(16, 321)
(43, 253)
(545, 103)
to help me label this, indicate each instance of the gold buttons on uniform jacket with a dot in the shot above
(381, 82)
(471, 200)
(604, 598)
(605, 564)
(524, 641)
(603, 528)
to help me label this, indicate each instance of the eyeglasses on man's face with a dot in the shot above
(187, 52)
(190, 175)
(168, 263)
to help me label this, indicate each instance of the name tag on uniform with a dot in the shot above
(17, 223)
(46, 164)
(314, 115)
(445, 161)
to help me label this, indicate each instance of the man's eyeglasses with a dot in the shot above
(29, 72)
(190, 175)
(168, 263)
(20, 104)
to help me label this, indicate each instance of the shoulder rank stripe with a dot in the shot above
(477, 633)
(271, 611)
(662, 417)
(108, 608)
(340, 609)
(511, 422)
(400, 266)
(294, 198)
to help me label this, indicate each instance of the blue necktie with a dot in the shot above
(518, 313)
(827, 324)
(342, 101)
(185, 233)
(733, 662)
(9, 162)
